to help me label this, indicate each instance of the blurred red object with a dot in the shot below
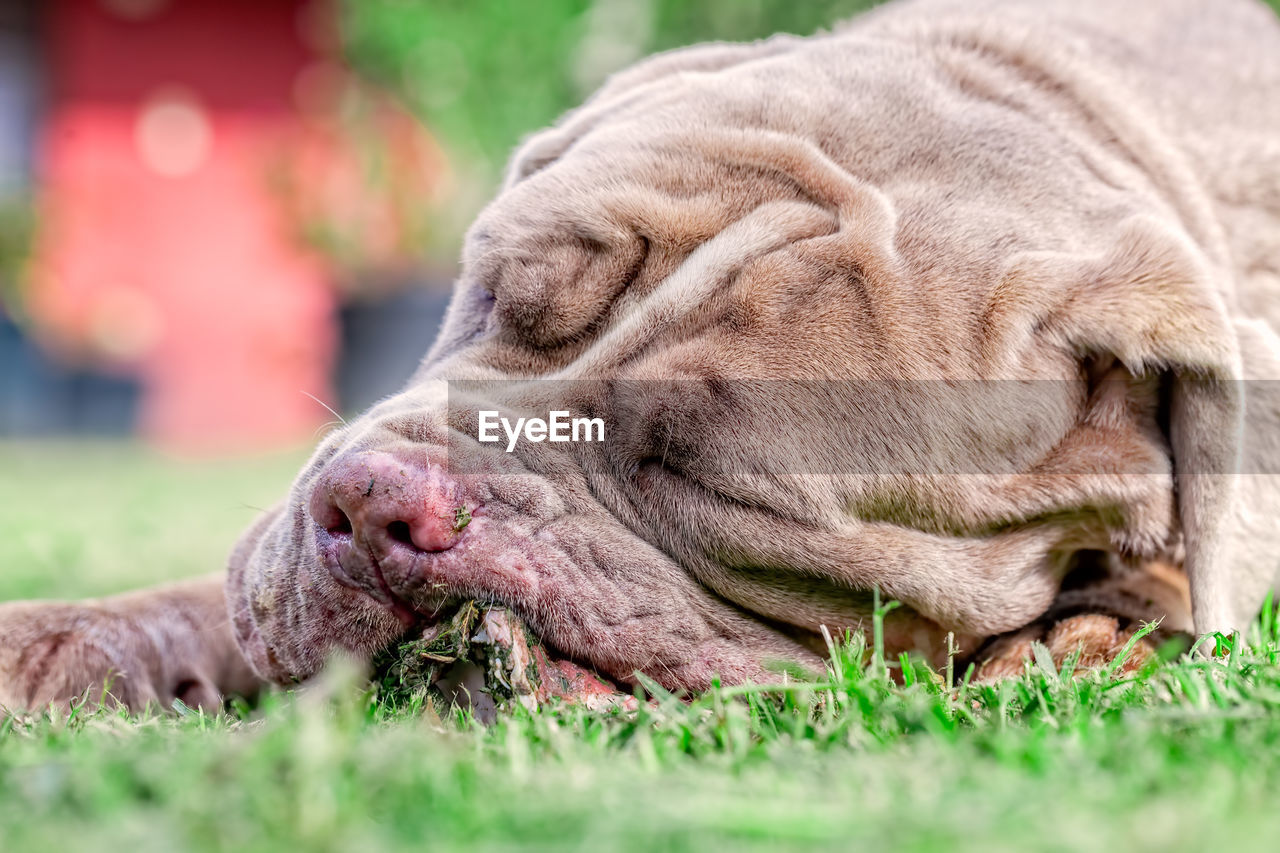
(161, 248)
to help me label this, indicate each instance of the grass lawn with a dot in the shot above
(1186, 757)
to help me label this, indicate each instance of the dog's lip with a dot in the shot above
(406, 614)
(328, 545)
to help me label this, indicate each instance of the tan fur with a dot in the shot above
(941, 302)
(140, 649)
(1092, 639)
(1096, 622)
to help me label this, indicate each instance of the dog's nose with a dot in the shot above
(389, 506)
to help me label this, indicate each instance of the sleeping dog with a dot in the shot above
(970, 303)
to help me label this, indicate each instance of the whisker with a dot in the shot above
(326, 406)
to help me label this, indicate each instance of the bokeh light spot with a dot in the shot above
(127, 324)
(172, 133)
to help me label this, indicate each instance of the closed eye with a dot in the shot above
(651, 466)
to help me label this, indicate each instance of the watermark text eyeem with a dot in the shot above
(557, 426)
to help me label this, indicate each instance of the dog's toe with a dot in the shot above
(1091, 640)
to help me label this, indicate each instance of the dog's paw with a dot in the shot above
(64, 653)
(1094, 640)
(1095, 621)
(144, 649)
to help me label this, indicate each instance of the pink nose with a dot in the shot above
(388, 506)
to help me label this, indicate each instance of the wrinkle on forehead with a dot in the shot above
(552, 248)
(768, 228)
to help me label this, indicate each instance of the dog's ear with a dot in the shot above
(545, 147)
(1156, 303)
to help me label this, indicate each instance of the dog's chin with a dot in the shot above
(288, 614)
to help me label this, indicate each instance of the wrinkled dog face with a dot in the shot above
(777, 439)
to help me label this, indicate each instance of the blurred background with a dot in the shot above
(218, 217)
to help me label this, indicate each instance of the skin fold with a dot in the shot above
(972, 303)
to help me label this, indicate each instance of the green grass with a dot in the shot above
(1183, 757)
(93, 519)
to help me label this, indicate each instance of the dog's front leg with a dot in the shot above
(142, 648)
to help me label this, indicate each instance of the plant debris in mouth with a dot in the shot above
(484, 658)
